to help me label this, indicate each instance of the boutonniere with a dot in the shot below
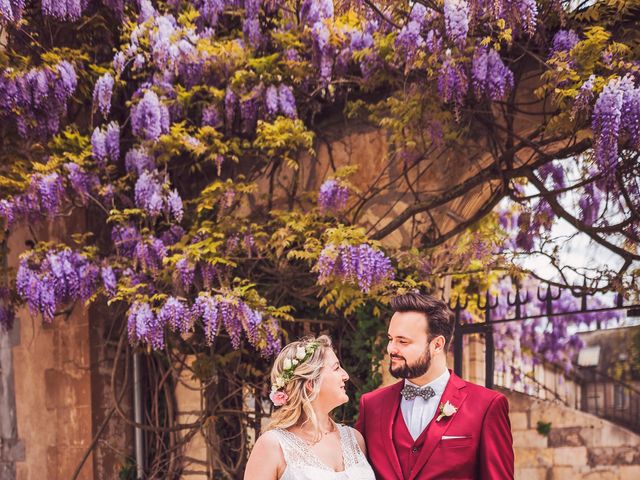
(446, 410)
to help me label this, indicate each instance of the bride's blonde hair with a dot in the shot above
(298, 410)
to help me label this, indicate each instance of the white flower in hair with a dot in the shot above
(301, 353)
(286, 365)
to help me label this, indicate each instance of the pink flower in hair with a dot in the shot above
(279, 398)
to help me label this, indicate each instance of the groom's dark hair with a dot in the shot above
(440, 320)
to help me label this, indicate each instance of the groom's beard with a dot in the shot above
(417, 369)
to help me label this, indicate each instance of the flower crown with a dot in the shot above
(303, 353)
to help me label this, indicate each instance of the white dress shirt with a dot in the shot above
(417, 413)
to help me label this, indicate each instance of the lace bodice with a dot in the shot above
(303, 464)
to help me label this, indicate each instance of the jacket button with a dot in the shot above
(414, 449)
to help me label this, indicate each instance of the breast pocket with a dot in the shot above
(456, 442)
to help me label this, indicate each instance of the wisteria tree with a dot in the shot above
(182, 127)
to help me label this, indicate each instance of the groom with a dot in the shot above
(432, 424)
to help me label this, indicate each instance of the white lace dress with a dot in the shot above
(303, 464)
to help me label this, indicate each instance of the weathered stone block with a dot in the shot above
(629, 472)
(531, 473)
(563, 473)
(573, 456)
(529, 439)
(562, 417)
(519, 420)
(615, 436)
(609, 473)
(533, 457)
(566, 437)
(614, 456)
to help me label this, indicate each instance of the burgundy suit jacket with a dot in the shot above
(485, 452)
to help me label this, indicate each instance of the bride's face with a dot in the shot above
(332, 383)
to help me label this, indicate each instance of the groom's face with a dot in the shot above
(408, 346)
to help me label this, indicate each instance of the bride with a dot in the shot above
(303, 442)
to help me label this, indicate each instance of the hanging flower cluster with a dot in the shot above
(333, 196)
(37, 99)
(56, 278)
(616, 112)
(43, 197)
(360, 265)
(148, 326)
(491, 77)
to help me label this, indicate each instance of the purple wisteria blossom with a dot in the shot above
(589, 204)
(125, 238)
(174, 204)
(249, 105)
(564, 40)
(313, 11)
(99, 146)
(207, 273)
(81, 182)
(452, 82)
(112, 141)
(67, 81)
(138, 160)
(67, 10)
(148, 193)
(360, 265)
(108, 280)
(410, 38)
(555, 171)
(271, 101)
(584, 97)
(149, 254)
(206, 308)
(36, 100)
(175, 313)
(491, 77)
(172, 235)
(456, 20)
(606, 122)
(287, 101)
(333, 196)
(210, 10)
(102, 93)
(56, 278)
(42, 198)
(526, 13)
(184, 273)
(145, 326)
(149, 118)
(323, 51)
(211, 116)
(119, 62)
(272, 344)
(11, 10)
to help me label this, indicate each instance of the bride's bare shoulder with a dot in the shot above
(266, 459)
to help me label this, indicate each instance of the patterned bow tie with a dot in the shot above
(409, 392)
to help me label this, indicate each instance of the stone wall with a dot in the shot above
(579, 445)
(52, 378)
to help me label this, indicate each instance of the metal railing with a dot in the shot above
(610, 399)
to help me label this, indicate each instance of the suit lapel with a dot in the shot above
(454, 393)
(392, 400)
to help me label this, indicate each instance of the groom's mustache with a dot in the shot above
(398, 357)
